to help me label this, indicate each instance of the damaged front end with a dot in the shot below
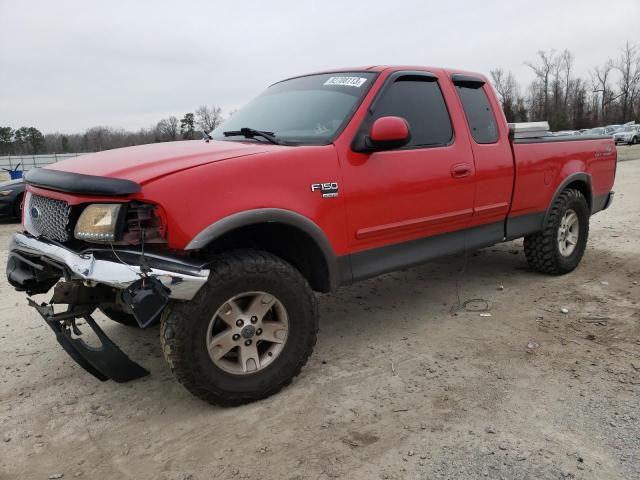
(104, 362)
(142, 282)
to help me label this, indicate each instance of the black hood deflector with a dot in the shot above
(70, 182)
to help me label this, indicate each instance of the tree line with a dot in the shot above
(30, 141)
(609, 95)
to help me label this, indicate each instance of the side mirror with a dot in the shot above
(386, 133)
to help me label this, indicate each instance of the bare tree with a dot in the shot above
(187, 126)
(566, 60)
(543, 72)
(561, 89)
(508, 91)
(167, 129)
(208, 118)
(628, 64)
(600, 80)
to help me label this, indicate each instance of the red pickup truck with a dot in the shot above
(321, 181)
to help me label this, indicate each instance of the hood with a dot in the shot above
(144, 163)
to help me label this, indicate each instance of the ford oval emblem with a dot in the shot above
(35, 213)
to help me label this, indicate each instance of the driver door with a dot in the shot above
(408, 204)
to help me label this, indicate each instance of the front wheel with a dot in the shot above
(246, 334)
(559, 247)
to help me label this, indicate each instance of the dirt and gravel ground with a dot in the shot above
(403, 383)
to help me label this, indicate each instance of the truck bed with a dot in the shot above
(544, 164)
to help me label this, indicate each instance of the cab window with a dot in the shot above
(482, 122)
(420, 102)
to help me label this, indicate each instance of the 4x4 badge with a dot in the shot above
(328, 190)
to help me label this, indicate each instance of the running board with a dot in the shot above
(104, 362)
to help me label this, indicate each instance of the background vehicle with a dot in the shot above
(609, 131)
(321, 181)
(11, 195)
(565, 133)
(628, 134)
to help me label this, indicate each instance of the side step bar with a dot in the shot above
(105, 362)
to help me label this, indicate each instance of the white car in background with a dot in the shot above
(565, 133)
(629, 134)
(608, 131)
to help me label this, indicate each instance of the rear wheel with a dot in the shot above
(246, 334)
(559, 247)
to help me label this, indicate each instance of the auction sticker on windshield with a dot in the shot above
(346, 81)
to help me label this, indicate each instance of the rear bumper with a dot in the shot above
(33, 262)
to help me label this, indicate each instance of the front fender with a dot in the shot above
(271, 215)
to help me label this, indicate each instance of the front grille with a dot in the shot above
(47, 217)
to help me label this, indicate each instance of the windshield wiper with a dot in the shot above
(251, 133)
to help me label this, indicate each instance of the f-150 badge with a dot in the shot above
(328, 190)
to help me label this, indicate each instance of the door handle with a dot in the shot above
(461, 170)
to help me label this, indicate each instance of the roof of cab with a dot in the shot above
(393, 68)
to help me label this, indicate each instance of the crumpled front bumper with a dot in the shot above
(30, 257)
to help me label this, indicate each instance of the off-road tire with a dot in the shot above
(541, 249)
(183, 328)
(113, 312)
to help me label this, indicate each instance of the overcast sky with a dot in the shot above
(69, 65)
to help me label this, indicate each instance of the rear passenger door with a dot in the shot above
(420, 190)
(492, 154)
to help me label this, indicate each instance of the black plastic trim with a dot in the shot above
(25, 273)
(469, 81)
(376, 261)
(79, 183)
(602, 202)
(522, 225)
(579, 177)
(564, 138)
(275, 215)
(423, 76)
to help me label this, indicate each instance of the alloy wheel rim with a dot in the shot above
(247, 333)
(568, 233)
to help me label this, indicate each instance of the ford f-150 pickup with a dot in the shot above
(320, 181)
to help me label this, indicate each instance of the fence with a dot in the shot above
(26, 162)
(29, 161)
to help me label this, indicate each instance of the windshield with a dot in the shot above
(628, 128)
(308, 110)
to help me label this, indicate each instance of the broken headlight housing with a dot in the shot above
(100, 222)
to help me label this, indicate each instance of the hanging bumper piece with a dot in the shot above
(104, 362)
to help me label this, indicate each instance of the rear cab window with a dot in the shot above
(480, 117)
(419, 100)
